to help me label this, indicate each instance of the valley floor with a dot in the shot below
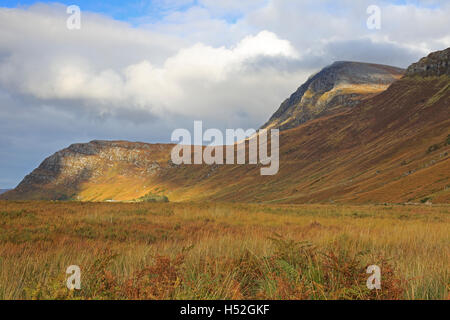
(223, 250)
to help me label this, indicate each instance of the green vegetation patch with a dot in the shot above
(151, 197)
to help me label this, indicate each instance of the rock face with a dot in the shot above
(66, 170)
(340, 85)
(435, 64)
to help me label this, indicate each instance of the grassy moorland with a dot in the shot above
(223, 251)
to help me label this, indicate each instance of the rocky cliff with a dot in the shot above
(63, 175)
(336, 87)
(435, 64)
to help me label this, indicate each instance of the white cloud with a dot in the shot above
(232, 7)
(186, 82)
(174, 67)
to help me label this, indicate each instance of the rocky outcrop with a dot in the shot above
(435, 64)
(340, 85)
(66, 170)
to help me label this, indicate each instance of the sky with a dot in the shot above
(137, 70)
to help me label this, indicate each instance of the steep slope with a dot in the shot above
(112, 168)
(336, 87)
(435, 64)
(392, 147)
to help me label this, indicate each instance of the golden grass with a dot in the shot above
(222, 250)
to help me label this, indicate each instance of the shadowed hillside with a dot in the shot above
(389, 147)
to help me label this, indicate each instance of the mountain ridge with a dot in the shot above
(392, 147)
(335, 87)
(435, 64)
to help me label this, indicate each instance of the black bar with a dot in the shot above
(257, 309)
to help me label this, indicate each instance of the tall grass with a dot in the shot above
(222, 251)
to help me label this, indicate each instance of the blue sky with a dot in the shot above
(130, 9)
(152, 10)
(120, 10)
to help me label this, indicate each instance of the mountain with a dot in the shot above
(390, 147)
(336, 87)
(98, 165)
(435, 64)
(4, 190)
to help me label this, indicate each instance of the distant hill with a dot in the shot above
(333, 89)
(392, 146)
(4, 190)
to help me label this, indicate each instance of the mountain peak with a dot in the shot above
(435, 64)
(95, 146)
(68, 168)
(342, 84)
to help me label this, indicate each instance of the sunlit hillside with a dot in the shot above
(393, 147)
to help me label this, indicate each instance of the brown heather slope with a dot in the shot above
(392, 147)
